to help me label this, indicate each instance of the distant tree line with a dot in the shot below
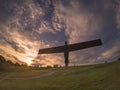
(7, 65)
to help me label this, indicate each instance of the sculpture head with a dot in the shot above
(66, 42)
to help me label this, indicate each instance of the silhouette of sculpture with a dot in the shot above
(66, 55)
(71, 47)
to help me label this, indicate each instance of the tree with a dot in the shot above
(55, 66)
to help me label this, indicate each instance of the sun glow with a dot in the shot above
(29, 62)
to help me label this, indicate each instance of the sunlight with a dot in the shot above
(29, 62)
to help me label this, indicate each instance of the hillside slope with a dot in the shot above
(92, 77)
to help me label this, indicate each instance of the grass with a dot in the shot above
(92, 77)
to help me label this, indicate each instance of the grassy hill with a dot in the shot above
(92, 77)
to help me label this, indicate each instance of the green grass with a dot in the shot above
(92, 77)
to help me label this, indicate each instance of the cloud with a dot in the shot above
(118, 13)
(23, 47)
(27, 26)
(10, 57)
(110, 54)
(21, 31)
(87, 22)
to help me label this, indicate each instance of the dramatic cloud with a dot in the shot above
(118, 13)
(29, 25)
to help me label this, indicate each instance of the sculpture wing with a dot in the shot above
(84, 45)
(58, 49)
(71, 47)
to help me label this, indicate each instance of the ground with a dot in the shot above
(92, 77)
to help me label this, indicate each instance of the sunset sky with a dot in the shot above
(29, 25)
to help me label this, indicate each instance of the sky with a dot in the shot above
(29, 25)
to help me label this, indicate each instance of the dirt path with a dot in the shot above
(35, 77)
(38, 76)
(46, 74)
